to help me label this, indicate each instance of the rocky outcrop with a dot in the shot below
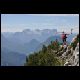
(72, 55)
(57, 54)
(73, 60)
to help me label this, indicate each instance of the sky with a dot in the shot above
(19, 22)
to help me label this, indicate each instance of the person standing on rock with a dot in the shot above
(64, 36)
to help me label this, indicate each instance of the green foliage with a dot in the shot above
(54, 45)
(44, 57)
(74, 44)
(44, 49)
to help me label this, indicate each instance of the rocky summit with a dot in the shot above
(72, 54)
(56, 54)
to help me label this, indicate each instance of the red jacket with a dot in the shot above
(63, 36)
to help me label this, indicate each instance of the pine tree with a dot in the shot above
(44, 49)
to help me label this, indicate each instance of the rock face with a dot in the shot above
(74, 59)
(72, 55)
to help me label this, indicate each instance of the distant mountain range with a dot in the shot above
(10, 58)
(27, 35)
(26, 42)
(48, 41)
(53, 38)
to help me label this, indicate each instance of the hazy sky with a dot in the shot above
(18, 22)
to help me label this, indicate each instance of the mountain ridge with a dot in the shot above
(56, 55)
